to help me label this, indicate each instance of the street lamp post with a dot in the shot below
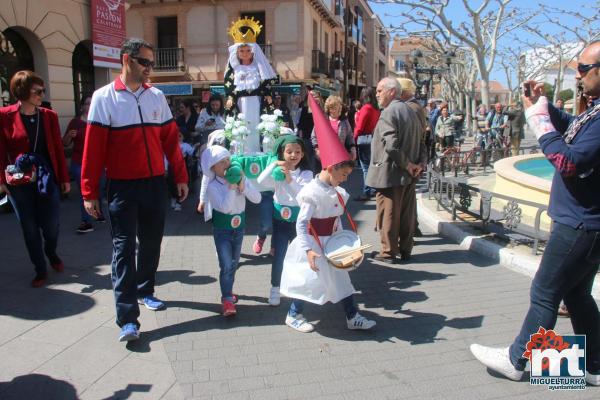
(429, 72)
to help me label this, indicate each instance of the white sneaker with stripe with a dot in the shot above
(299, 323)
(358, 322)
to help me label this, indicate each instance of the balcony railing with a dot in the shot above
(169, 59)
(319, 63)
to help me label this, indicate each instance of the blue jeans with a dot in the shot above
(363, 147)
(76, 174)
(350, 309)
(136, 208)
(567, 271)
(39, 217)
(229, 247)
(283, 234)
(265, 214)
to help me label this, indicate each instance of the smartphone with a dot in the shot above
(527, 89)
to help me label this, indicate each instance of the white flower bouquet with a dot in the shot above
(236, 131)
(270, 128)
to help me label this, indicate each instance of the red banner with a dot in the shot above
(108, 31)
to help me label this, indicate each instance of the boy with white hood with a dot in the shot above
(226, 203)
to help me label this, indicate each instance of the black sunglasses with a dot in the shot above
(583, 68)
(38, 92)
(144, 62)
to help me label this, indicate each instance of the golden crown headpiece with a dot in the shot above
(251, 34)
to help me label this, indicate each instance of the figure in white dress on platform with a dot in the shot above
(307, 275)
(248, 78)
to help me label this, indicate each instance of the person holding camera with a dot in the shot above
(211, 118)
(30, 140)
(570, 261)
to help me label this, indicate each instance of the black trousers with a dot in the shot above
(137, 210)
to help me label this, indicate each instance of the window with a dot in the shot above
(15, 55)
(326, 47)
(83, 73)
(166, 30)
(260, 17)
(399, 65)
(315, 35)
(339, 7)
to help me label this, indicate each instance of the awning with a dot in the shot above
(281, 89)
(324, 91)
(183, 89)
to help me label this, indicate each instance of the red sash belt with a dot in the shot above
(323, 226)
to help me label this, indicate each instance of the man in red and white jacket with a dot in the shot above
(130, 130)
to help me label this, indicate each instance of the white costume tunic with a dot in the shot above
(317, 200)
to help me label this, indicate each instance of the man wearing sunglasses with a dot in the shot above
(570, 261)
(130, 131)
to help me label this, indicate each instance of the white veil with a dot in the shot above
(264, 68)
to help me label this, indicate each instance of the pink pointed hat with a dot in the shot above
(331, 150)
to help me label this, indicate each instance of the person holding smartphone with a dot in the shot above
(211, 118)
(570, 262)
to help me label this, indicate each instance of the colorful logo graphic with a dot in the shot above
(255, 168)
(557, 361)
(286, 213)
(236, 221)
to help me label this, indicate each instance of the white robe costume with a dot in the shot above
(317, 200)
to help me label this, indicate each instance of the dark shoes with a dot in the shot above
(57, 264)
(84, 227)
(39, 280)
(405, 256)
(386, 259)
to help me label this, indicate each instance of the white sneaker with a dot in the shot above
(497, 360)
(299, 323)
(592, 379)
(361, 323)
(274, 296)
(177, 207)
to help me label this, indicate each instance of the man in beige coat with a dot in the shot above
(395, 158)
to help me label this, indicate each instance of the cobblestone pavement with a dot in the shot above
(63, 338)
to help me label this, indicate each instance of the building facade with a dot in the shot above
(52, 38)
(305, 40)
(367, 47)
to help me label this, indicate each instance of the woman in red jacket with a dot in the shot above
(29, 131)
(366, 119)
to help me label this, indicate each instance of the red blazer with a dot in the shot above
(15, 142)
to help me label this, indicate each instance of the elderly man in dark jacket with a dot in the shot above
(395, 158)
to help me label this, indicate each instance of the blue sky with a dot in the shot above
(455, 11)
